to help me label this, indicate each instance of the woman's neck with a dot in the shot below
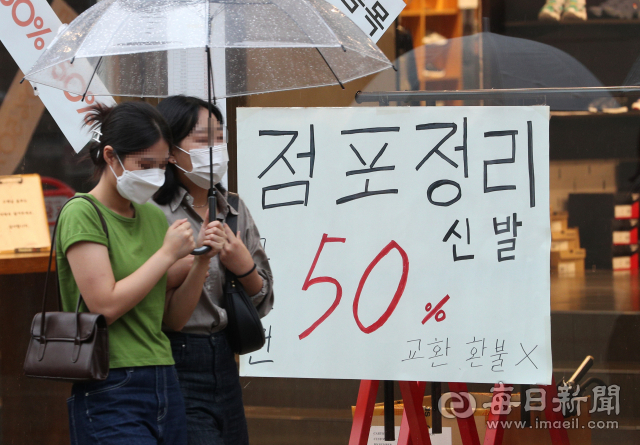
(198, 194)
(107, 193)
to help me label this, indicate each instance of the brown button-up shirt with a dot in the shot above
(210, 315)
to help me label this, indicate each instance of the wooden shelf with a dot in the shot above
(23, 263)
(428, 12)
(576, 24)
(437, 12)
(422, 17)
(445, 78)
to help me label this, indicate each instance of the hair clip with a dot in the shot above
(96, 135)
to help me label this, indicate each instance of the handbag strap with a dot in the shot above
(53, 239)
(233, 200)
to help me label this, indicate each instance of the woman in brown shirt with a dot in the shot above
(205, 363)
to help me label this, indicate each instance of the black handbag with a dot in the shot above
(244, 328)
(68, 346)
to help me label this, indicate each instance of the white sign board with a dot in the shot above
(26, 28)
(376, 436)
(407, 243)
(372, 16)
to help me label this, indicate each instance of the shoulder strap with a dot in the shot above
(53, 239)
(232, 220)
(95, 206)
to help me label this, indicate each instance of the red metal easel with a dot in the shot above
(414, 429)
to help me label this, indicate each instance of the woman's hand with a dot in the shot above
(212, 234)
(181, 302)
(179, 242)
(234, 255)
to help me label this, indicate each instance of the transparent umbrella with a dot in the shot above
(148, 48)
(212, 48)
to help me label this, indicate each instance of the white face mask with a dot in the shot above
(138, 185)
(200, 173)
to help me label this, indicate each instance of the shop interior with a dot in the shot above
(438, 46)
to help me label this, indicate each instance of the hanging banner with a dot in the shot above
(407, 243)
(26, 28)
(372, 16)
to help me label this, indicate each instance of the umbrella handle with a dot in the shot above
(212, 216)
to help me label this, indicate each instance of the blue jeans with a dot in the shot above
(211, 387)
(141, 405)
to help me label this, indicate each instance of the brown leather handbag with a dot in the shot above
(69, 346)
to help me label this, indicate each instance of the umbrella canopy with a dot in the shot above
(208, 48)
(147, 48)
(511, 62)
(501, 62)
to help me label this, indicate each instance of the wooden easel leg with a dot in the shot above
(364, 412)
(412, 396)
(559, 436)
(467, 427)
(494, 436)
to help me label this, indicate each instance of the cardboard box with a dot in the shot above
(625, 257)
(568, 239)
(625, 231)
(569, 262)
(627, 206)
(538, 434)
(559, 221)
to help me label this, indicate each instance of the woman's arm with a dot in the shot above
(263, 299)
(182, 301)
(178, 272)
(93, 274)
(236, 257)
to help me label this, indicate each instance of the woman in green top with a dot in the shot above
(122, 275)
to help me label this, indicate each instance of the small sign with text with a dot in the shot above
(372, 16)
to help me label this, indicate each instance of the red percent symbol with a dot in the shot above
(440, 314)
(38, 43)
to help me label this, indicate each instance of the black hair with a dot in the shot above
(181, 113)
(128, 127)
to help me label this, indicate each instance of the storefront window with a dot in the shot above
(581, 60)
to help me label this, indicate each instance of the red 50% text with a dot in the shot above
(24, 14)
(308, 282)
(62, 72)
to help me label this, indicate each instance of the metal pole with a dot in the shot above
(212, 190)
(483, 94)
(389, 412)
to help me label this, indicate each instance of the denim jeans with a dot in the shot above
(141, 405)
(211, 387)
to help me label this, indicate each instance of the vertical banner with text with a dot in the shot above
(374, 17)
(407, 243)
(26, 28)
